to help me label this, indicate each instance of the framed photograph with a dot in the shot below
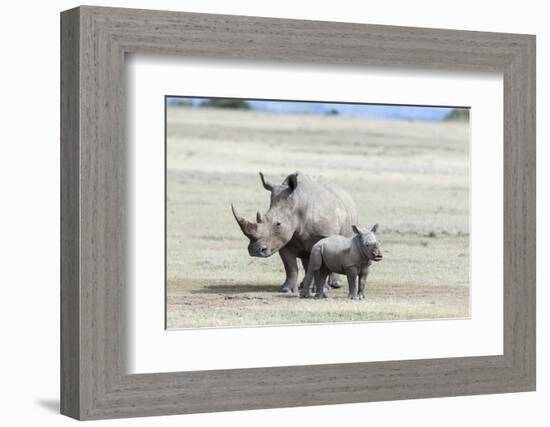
(261, 213)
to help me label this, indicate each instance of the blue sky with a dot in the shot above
(371, 110)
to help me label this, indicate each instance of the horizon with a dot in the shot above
(388, 111)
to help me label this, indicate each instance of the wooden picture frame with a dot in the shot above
(94, 41)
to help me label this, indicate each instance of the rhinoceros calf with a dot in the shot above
(344, 255)
(303, 210)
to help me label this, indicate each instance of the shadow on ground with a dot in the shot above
(234, 289)
(51, 405)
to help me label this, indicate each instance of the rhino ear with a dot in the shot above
(293, 180)
(267, 185)
(375, 228)
(355, 229)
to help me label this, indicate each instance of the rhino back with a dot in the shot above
(324, 209)
(348, 208)
(337, 252)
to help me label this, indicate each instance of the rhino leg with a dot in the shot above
(291, 269)
(363, 283)
(352, 282)
(321, 290)
(327, 285)
(305, 263)
(333, 281)
(309, 280)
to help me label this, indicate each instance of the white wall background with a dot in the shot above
(29, 212)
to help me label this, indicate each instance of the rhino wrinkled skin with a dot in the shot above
(302, 211)
(351, 256)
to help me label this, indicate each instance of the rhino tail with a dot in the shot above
(315, 259)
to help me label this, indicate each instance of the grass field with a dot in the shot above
(411, 177)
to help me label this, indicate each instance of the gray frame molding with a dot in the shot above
(94, 41)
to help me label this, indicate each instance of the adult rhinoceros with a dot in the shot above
(302, 211)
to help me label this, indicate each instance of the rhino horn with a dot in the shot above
(267, 185)
(247, 227)
(259, 217)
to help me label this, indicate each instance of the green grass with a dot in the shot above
(411, 177)
(459, 114)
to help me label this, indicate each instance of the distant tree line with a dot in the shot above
(237, 104)
(462, 114)
(181, 103)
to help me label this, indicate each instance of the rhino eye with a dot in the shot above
(278, 224)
